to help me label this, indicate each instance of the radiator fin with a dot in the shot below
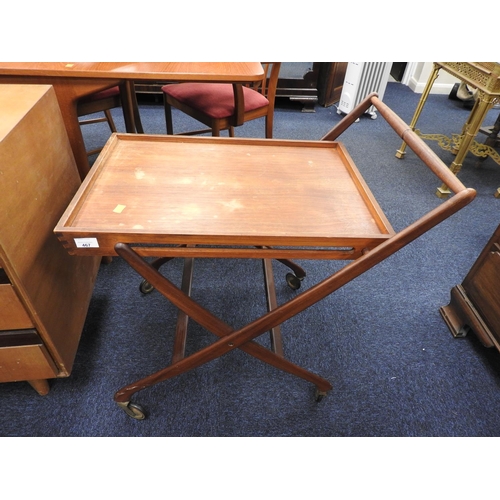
(361, 79)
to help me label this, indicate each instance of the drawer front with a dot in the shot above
(24, 357)
(13, 316)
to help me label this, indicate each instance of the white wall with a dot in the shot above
(417, 74)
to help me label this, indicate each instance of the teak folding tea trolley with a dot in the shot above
(204, 197)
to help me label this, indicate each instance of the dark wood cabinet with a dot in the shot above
(331, 81)
(312, 83)
(475, 304)
(308, 83)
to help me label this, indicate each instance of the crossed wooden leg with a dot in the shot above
(229, 339)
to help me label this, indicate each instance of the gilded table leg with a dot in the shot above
(471, 129)
(455, 145)
(401, 151)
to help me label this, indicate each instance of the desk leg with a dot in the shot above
(68, 92)
(130, 107)
(75, 136)
(430, 82)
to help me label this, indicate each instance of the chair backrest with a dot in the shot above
(267, 86)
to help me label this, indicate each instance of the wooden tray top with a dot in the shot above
(221, 191)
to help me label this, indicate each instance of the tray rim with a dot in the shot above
(66, 232)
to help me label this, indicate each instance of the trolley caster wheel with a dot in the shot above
(319, 395)
(133, 410)
(146, 287)
(293, 281)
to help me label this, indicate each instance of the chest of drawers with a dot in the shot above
(44, 293)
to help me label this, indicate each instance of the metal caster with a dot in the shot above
(293, 281)
(146, 287)
(133, 410)
(319, 395)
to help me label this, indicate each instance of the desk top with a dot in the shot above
(179, 71)
(221, 191)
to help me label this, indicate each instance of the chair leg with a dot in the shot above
(168, 117)
(231, 131)
(269, 127)
(215, 130)
(137, 116)
(109, 117)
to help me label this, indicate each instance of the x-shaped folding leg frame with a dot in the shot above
(243, 338)
(230, 339)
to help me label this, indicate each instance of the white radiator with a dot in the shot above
(361, 79)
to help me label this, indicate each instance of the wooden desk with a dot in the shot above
(171, 196)
(74, 80)
(485, 77)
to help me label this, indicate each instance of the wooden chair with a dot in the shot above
(104, 101)
(213, 104)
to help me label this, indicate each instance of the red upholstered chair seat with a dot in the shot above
(103, 94)
(214, 99)
(214, 104)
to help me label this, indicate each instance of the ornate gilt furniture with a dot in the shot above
(475, 304)
(485, 77)
(173, 196)
(44, 295)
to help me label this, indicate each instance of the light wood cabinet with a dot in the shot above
(44, 292)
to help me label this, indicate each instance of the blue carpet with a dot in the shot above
(395, 368)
